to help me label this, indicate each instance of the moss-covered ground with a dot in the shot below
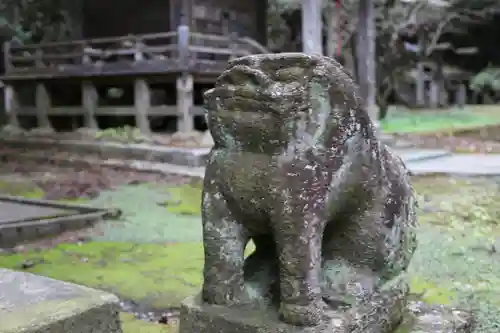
(154, 254)
(441, 120)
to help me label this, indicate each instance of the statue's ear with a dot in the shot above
(208, 94)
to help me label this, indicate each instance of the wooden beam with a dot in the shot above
(142, 68)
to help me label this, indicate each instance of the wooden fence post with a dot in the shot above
(43, 104)
(461, 95)
(6, 54)
(434, 94)
(90, 97)
(183, 46)
(312, 23)
(90, 100)
(420, 84)
(139, 50)
(184, 82)
(142, 101)
(185, 122)
(11, 105)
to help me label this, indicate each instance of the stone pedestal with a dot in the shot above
(382, 313)
(418, 317)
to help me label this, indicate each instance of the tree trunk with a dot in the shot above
(332, 36)
(366, 54)
(312, 24)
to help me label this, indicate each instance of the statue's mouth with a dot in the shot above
(248, 105)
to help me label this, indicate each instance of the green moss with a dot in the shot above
(160, 275)
(145, 219)
(132, 325)
(430, 292)
(21, 188)
(459, 202)
(439, 185)
(456, 259)
(456, 262)
(75, 201)
(185, 200)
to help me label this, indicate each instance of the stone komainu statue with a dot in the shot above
(297, 169)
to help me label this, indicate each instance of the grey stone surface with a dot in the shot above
(24, 219)
(379, 314)
(413, 155)
(459, 164)
(424, 318)
(35, 304)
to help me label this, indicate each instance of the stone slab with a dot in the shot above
(193, 157)
(36, 304)
(380, 314)
(418, 318)
(23, 219)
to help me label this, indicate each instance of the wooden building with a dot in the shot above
(128, 59)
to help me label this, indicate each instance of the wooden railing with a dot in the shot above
(192, 49)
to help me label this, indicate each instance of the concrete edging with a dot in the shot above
(193, 157)
(15, 232)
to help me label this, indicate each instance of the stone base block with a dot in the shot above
(418, 318)
(36, 304)
(424, 318)
(380, 315)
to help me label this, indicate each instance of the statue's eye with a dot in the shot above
(291, 74)
(248, 79)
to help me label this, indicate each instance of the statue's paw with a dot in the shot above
(230, 295)
(301, 315)
(255, 294)
(218, 296)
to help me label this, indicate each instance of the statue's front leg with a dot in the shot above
(298, 240)
(224, 241)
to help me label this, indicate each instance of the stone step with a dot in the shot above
(414, 154)
(192, 157)
(459, 164)
(85, 161)
(419, 163)
(34, 304)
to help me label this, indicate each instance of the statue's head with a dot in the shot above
(262, 103)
